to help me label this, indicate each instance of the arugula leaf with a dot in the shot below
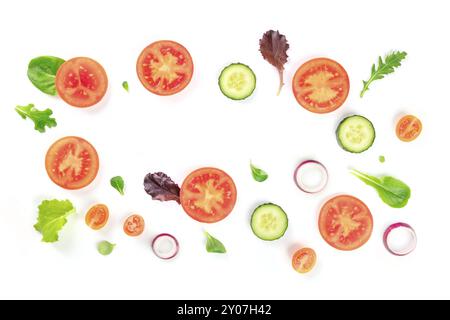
(41, 119)
(118, 184)
(273, 47)
(213, 245)
(391, 61)
(393, 192)
(258, 174)
(125, 86)
(42, 73)
(105, 248)
(161, 187)
(52, 218)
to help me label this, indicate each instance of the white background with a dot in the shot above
(138, 132)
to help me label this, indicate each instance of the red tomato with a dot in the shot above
(165, 67)
(134, 225)
(81, 82)
(72, 163)
(208, 195)
(408, 128)
(97, 216)
(345, 222)
(321, 85)
(304, 260)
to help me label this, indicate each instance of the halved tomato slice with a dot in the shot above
(345, 222)
(208, 195)
(408, 128)
(165, 67)
(321, 85)
(304, 260)
(134, 225)
(72, 163)
(81, 82)
(97, 216)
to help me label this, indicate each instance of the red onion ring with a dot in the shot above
(165, 253)
(314, 188)
(410, 247)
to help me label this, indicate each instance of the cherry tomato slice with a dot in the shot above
(304, 260)
(408, 128)
(97, 216)
(134, 225)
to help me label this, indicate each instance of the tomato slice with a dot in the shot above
(81, 82)
(208, 195)
(97, 216)
(321, 85)
(72, 163)
(304, 260)
(408, 128)
(165, 67)
(345, 222)
(134, 225)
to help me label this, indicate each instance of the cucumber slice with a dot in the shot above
(269, 222)
(237, 81)
(355, 134)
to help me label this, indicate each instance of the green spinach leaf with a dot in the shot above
(42, 73)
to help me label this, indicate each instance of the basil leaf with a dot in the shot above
(42, 73)
(105, 248)
(258, 174)
(118, 184)
(213, 245)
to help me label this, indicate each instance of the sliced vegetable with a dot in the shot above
(269, 222)
(258, 174)
(355, 134)
(118, 184)
(345, 222)
(391, 61)
(105, 248)
(213, 245)
(97, 216)
(321, 85)
(393, 192)
(40, 118)
(237, 81)
(81, 82)
(52, 218)
(72, 163)
(42, 72)
(134, 225)
(400, 239)
(125, 86)
(161, 187)
(208, 195)
(273, 47)
(165, 246)
(408, 128)
(304, 260)
(382, 159)
(311, 176)
(165, 67)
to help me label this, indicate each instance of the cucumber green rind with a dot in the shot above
(223, 87)
(346, 145)
(278, 214)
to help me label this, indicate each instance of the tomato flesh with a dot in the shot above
(81, 82)
(321, 85)
(134, 225)
(208, 195)
(72, 163)
(165, 67)
(97, 216)
(408, 128)
(345, 223)
(304, 260)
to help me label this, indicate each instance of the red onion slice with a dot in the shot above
(311, 176)
(400, 239)
(165, 246)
